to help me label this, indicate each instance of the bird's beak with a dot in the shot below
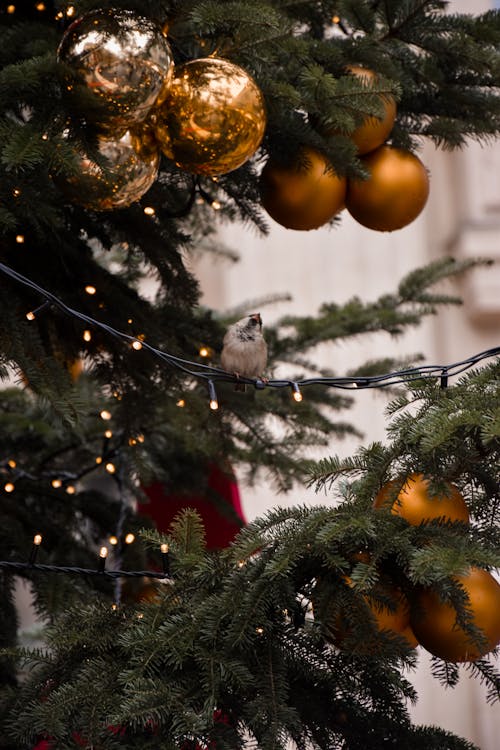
(257, 318)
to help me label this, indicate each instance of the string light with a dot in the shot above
(40, 6)
(103, 553)
(70, 489)
(214, 404)
(110, 468)
(45, 137)
(129, 538)
(210, 373)
(108, 434)
(98, 460)
(16, 192)
(105, 414)
(181, 403)
(137, 345)
(11, 463)
(204, 352)
(19, 239)
(149, 211)
(87, 335)
(70, 11)
(90, 289)
(113, 540)
(216, 205)
(9, 487)
(31, 315)
(11, 8)
(37, 540)
(165, 558)
(56, 483)
(297, 395)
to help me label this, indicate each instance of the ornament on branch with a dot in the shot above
(435, 625)
(415, 504)
(393, 195)
(213, 117)
(122, 66)
(132, 163)
(374, 130)
(303, 194)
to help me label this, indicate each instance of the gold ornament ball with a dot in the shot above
(373, 131)
(394, 618)
(213, 118)
(415, 504)
(122, 64)
(434, 621)
(393, 195)
(132, 163)
(304, 194)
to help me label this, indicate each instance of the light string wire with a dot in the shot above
(211, 373)
(73, 570)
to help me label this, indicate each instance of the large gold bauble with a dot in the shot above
(304, 194)
(434, 621)
(394, 194)
(132, 163)
(213, 117)
(417, 505)
(122, 65)
(373, 131)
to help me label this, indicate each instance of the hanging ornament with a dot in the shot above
(417, 505)
(390, 612)
(393, 195)
(304, 194)
(374, 130)
(434, 621)
(122, 64)
(213, 118)
(132, 167)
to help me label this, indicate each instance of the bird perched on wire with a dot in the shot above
(244, 350)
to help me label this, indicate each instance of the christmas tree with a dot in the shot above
(130, 131)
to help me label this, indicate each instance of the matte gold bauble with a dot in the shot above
(416, 504)
(303, 194)
(373, 131)
(132, 163)
(395, 192)
(389, 613)
(213, 118)
(434, 621)
(122, 65)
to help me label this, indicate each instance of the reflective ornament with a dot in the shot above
(213, 118)
(373, 131)
(132, 167)
(395, 192)
(122, 65)
(417, 505)
(434, 621)
(303, 194)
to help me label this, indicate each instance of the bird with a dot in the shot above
(244, 349)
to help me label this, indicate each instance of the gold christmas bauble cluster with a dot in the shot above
(419, 615)
(206, 115)
(305, 193)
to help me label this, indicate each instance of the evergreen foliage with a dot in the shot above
(228, 653)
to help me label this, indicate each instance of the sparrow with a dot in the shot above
(244, 350)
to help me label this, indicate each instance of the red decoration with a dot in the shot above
(220, 529)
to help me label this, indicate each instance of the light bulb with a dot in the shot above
(297, 395)
(11, 8)
(9, 487)
(40, 6)
(137, 345)
(149, 211)
(90, 289)
(214, 405)
(103, 552)
(110, 468)
(19, 239)
(164, 548)
(56, 483)
(70, 489)
(113, 540)
(129, 538)
(203, 352)
(30, 315)
(216, 205)
(87, 336)
(105, 414)
(37, 539)
(70, 11)
(181, 403)
(12, 464)
(108, 434)
(98, 460)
